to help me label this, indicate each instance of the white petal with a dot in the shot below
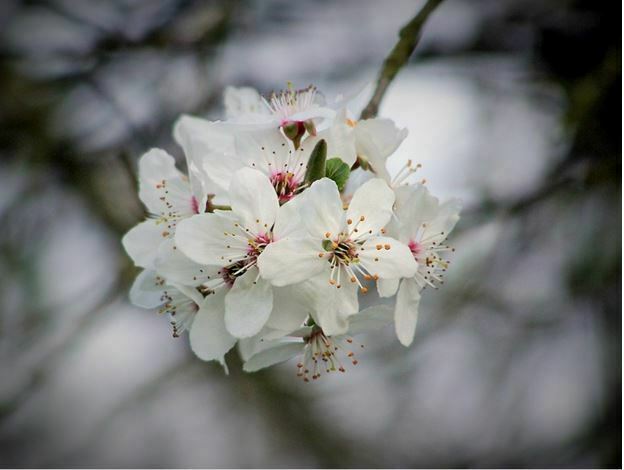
(253, 200)
(355, 101)
(274, 355)
(289, 311)
(340, 140)
(208, 239)
(210, 146)
(370, 319)
(387, 287)
(313, 112)
(208, 336)
(291, 260)
(142, 242)
(248, 305)
(446, 218)
(356, 179)
(267, 150)
(147, 290)
(388, 258)
(321, 209)
(372, 201)
(243, 102)
(414, 206)
(247, 347)
(376, 140)
(162, 188)
(406, 311)
(330, 306)
(288, 220)
(178, 268)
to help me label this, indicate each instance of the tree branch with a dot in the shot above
(398, 57)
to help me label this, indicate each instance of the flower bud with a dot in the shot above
(294, 130)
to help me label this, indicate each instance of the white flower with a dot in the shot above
(233, 241)
(221, 149)
(370, 140)
(340, 250)
(319, 350)
(188, 309)
(169, 197)
(423, 224)
(245, 105)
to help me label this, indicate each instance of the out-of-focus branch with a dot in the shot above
(398, 57)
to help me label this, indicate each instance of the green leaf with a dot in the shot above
(316, 164)
(338, 171)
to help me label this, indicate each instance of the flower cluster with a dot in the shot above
(286, 217)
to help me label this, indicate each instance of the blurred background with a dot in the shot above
(512, 106)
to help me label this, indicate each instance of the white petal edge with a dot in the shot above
(373, 202)
(141, 242)
(208, 337)
(273, 355)
(406, 311)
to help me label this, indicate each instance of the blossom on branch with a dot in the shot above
(287, 217)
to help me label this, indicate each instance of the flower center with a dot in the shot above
(415, 248)
(342, 253)
(231, 272)
(285, 184)
(255, 246)
(429, 251)
(321, 352)
(181, 311)
(290, 101)
(342, 250)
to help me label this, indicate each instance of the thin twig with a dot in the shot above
(398, 57)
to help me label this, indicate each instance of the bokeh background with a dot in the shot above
(511, 105)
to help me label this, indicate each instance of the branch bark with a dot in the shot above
(398, 57)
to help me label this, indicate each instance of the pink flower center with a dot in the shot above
(255, 247)
(285, 184)
(415, 248)
(258, 245)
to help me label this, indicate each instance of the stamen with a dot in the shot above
(322, 352)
